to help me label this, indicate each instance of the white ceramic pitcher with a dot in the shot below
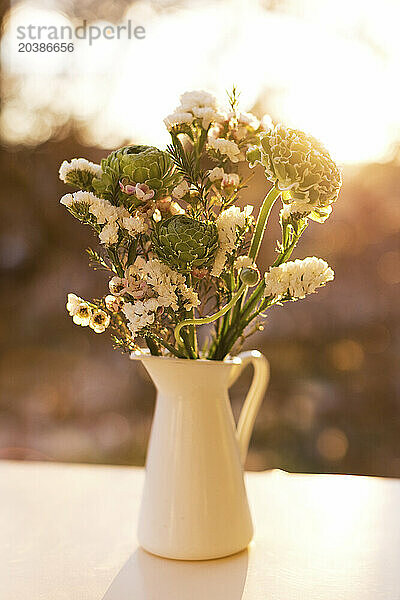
(194, 504)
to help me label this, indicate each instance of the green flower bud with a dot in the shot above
(249, 276)
(184, 243)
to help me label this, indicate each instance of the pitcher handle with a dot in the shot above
(254, 396)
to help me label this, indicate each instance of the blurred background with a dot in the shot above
(329, 68)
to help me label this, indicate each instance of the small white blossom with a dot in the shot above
(73, 301)
(243, 262)
(228, 223)
(117, 285)
(219, 263)
(194, 105)
(226, 147)
(297, 278)
(78, 164)
(266, 123)
(144, 192)
(249, 120)
(157, 215)
(67, 200)
(230, 180)
(207, 115)
(178, 117)
(103, 210)
(138, 317)
(80, 197)
(168, 289)
(176, 209)
(79, 310)
(181, 189)
(134, 225)
(82, 315)
(216, 173)
(99, 321)
(109, 234)
(113, 303)
(190, 297)
(302, 208)
(197, 99)
(214, 131)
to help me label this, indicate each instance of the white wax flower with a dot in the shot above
(181, 189)
(113, 303)
(79, 310)
(230, 180)
(168, 289)
(99, 321)
(117, 285)
(216, 173)
(176, 209)
(73, 302)
(156, 216)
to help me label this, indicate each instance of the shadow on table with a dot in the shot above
(148, 577)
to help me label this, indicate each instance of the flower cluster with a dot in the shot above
(84, 314)
(295, 279)
(110, 219)
(198, 107)
(179, 250)
(231, 224)
(79, 172)
(160, 288)
(224, 147)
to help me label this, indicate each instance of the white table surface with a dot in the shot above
(67, 532)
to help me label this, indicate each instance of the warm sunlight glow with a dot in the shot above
(332, 73)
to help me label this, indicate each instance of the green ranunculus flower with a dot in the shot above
(184, 243)
(146, 164)
(137, 164)
(299, 165)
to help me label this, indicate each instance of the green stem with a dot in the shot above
(211, 318)
(168, 346)
(283, 256)
(262, 222)
(152, 346)
(113, 256)
(188, 345)
(192, 337)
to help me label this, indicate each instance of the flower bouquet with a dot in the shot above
(180, 252)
